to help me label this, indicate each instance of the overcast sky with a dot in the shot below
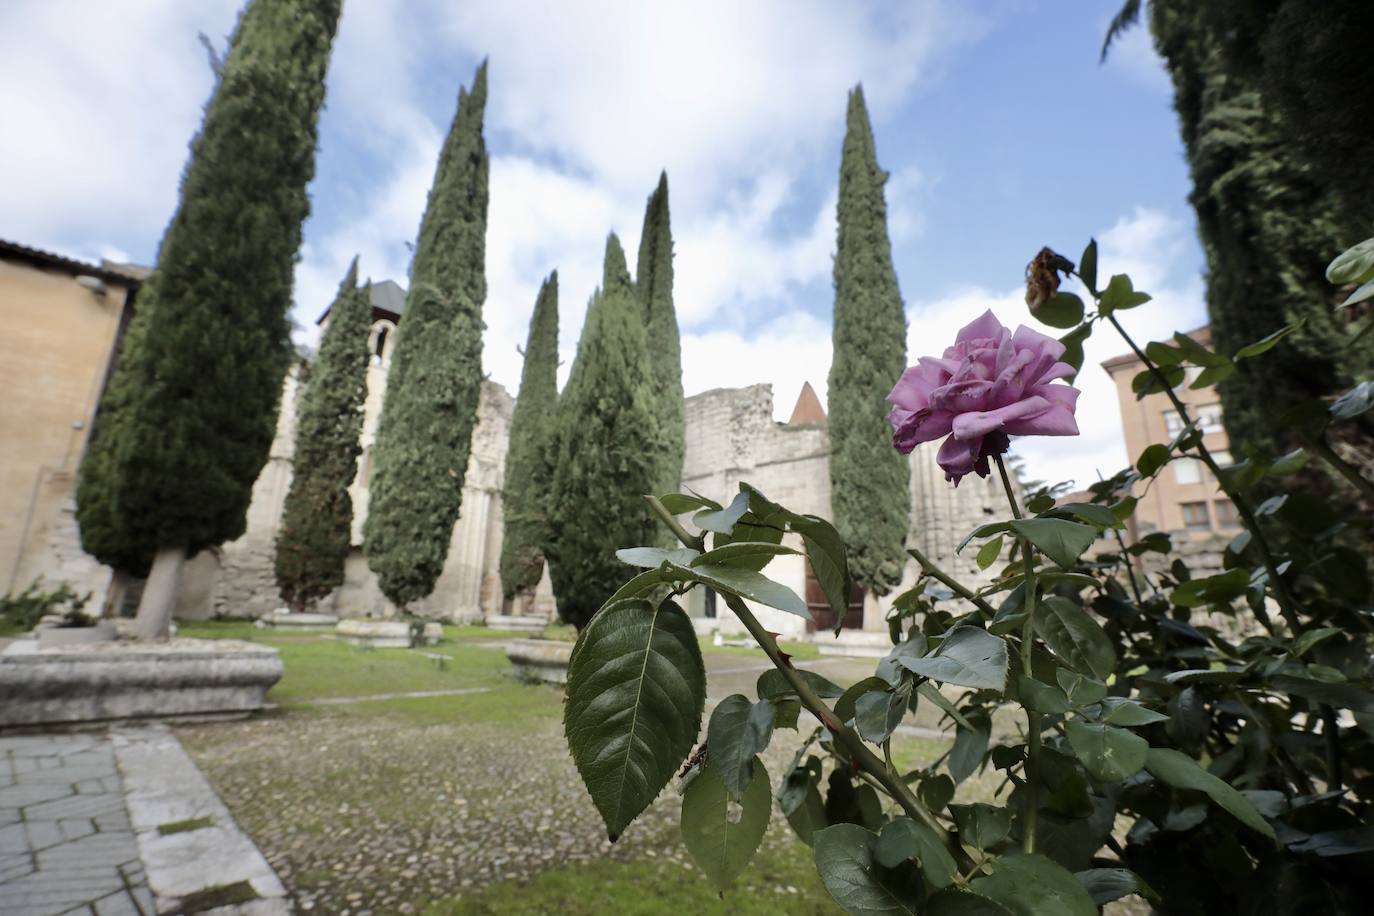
(1000, 130)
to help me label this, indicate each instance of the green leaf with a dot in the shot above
(1042, 697)
(1354, 402)
(1092, 513)
(737, 732)
(1120, 295)
(755, 586)
(1080, 689)
(1309, 640)
(1365, 291)
(1341, 696)
(1062, 541)
(936, 791)
(1265, 344)
(1354, 265)
(1108, 754)
(1218, 589)
(981, 826)
(1107, 884)
(1212, 375)
(722, 521)
(933, 694)
(970, 746)
(678, 503)
(773, 685)
(636, 688)
(829, 561)
(721, 834)
(1032, 885)
(1163, 355)
(982, 531)
(1198, 354)
(847, 863)
(1182, 772)
(952, 902)
(902, 838)
(809, 814)
(1121, 711)
(989, 552)
(1073, 347)
(735, 553)
(878, 713)
(652, 557)
(1152, 459)
(645, 583)
(968, 657)
(845, 705)
(1062, 310)
(1087, 266)
(1290, 463)
(1075, 637)
(1204, 676)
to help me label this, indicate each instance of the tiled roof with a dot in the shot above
(109, 271)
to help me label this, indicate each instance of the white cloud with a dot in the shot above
(1133, 55)
(1147, 245)
(786, 352)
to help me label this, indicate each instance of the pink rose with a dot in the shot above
(990, 385)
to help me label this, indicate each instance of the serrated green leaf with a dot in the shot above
(1120, 295)
(653, 557)
(968, 657)
(1354, 265)
(1060, 540)
(1198, 354)
(1109, 754)
(878, 713)
(738, 730)
(1218, 589)
(1087, 266)
(1161, 354)
(829, 561)
(1062, 310)
(1092, 513)
(902, 838)
(1212, 375)
(1364, 292)
(636, 688)
(1073, 348)
(954, 902)
(970, 747)
(755, 586)
(1265, 344)
(1042, 697)
(773, 685)
(1075, 637)
(981, 826)
(1032, 885)
(989, 552)
(1152, 459)
(1183, 772)
(1129, 713)
(722, 521)
(721, 834)
(736, 553)
(845, 859)
(679, 503)
(1080, 689)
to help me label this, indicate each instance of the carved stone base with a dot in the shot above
(389, 634)
(284, 618)
(540, 659)
(99, 682)
(515, 622)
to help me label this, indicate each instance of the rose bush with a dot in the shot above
(1158, 754)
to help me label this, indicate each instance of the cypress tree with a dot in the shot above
(317, 519)
(654, 282)
(869, 480)
(1268, 223)
(530, 461)
(188, 417)
(608, 430)
(424, 434)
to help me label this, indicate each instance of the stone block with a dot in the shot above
(54, 637)
(389, 634)
(515, 622)
(540, 659)
(285, 619)
(190, 678)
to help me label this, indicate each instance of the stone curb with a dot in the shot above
(162, 786)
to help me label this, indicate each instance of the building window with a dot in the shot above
(1209, 418)
(1227, 517)
(1187, 470)
(1195, 517)
(1173, 423)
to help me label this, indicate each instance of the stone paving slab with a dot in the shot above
(79, 829)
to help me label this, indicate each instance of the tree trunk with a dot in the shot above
(160, 594)
(114, 597)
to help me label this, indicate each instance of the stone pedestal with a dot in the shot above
(515, 622)
(99, 682)
(540, 659)
(389, 634)
(55, 637)
(287, 620)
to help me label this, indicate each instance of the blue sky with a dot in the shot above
(1000, 129)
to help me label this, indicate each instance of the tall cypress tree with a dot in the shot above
(608, 430)
(1269, 223)
(869, 480)
(654, 282)
(317, 519)
(424, 434)
(530, 461)
(187, 420)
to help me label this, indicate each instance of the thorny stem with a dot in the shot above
(929, 568)
(1347, 470)
(1027, 643)
(864, 759)
(1288, 605)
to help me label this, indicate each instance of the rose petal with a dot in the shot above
(976, 424)
(985, 325)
